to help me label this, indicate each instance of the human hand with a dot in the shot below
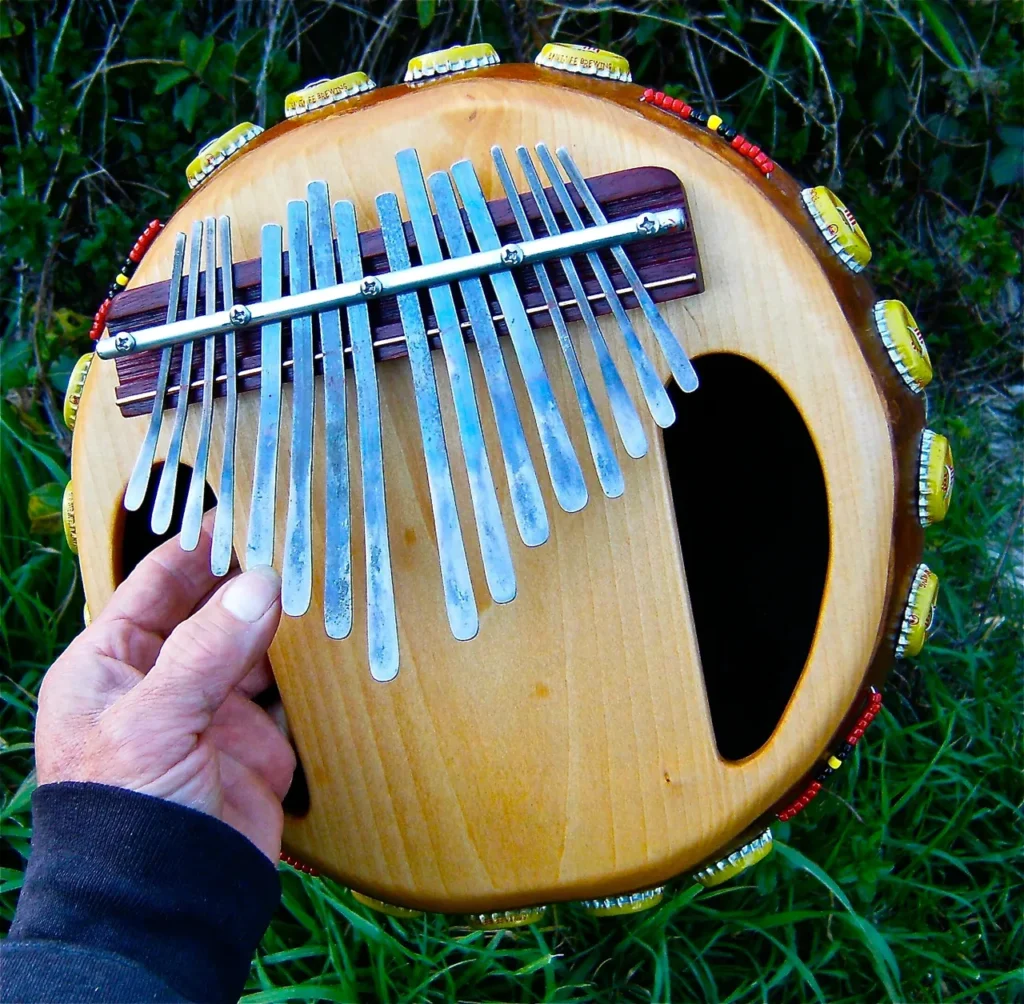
(155, 695)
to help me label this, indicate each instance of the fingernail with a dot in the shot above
(252, 594)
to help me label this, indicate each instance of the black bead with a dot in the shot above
(823, 773)
(113, 290)
(698, 116)
(726, 131)
(845, 750)
(129, 266)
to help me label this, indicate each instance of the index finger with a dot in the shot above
(165, 587)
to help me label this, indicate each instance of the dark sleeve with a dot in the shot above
(131, 898)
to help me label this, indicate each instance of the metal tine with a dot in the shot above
(192, 521)
(527, 505)
(138, 483)
(608, 471)
(458, 588)
(654, 393)
(563, 467)
(675, 355)
(631, 429)
(527, 501)
(381, 621)
(337, 507)
(259, 546)
(163, 505)
(297, 568)
(224, 521)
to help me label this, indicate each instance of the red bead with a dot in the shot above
(686, 111)
(815, 787)
(648, 94)
(677, 105)
(153, 225)
(737, 141)
(767, 167)
(745, 147)
(753, 151)
(760, 158)
(659, 97)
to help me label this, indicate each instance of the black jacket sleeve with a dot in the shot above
(131, 898)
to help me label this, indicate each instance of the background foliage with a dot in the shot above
(903, 882)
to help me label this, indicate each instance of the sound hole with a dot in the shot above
(136, 538)
(753, 522)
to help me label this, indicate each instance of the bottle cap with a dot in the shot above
(935, 480)
(67, 508)
(501, 920)
(453, 60)
(76, 384)
(211, 156)
(902, 338)
(585, 60)
(838, 226)
(381, 907)
(919, 613)
(739, 861)
(620, 906)
(321, 93)
(86, 616)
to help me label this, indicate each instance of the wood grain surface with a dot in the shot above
(567, 751)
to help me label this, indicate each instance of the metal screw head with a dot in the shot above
(511, 254)
(124, 342)
(239, 314)
(647, 224)
(371, 286)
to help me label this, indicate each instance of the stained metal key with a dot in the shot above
(654, 393)
(259, 547)
(381, 621)
(224, 521)
(337, 503)
(297, 566)
(458, 589)
(631, 429)
(494, 547)
(163, 505)
(608, 471)
(527, 501)
(566, 473)
(138, 483)
(678, 361)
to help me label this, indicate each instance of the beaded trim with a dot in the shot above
(299, 866)
(131, 263)
(836, 759)
(714, 124)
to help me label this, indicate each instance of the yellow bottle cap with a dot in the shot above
(67, 508)
(620, 906)
(381, 907)
(218, 150)
(838, 226)
(739, 861)
(86, 616)
(501, 920)
(919, 614)
(902, 338)
(453, 60)
(935, 480)
(586, 60)
(321, 93)
(76, 384)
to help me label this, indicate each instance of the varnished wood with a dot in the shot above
(567, 751)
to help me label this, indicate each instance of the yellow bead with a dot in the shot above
(121, 279)
(919, 613)
(584, 60)
(935, 480)
(838, 226)
(902, 338)
(714, 121)
(620, 906)
(321, 93)
(76, 384)
(453, 60)
(739, 861)
(214, 153)
(68, 518)
(388, 908)
(834, 762)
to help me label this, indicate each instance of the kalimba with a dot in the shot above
(567, 614)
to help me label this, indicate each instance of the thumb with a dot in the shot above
(206, 656)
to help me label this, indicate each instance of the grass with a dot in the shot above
(902, 881)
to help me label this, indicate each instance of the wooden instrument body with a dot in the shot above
(567, 751)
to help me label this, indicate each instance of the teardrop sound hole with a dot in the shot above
(134, 538)
(753, 521)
